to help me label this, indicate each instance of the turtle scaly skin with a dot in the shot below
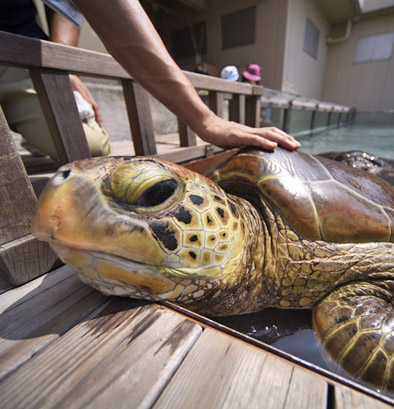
(281, 229)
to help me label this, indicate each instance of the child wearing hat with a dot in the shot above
(230, 73)
(252, 74)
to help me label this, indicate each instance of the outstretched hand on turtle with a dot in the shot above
(227, 134)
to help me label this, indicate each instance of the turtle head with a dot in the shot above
(140, 227)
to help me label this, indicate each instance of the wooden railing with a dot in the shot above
(49, 65)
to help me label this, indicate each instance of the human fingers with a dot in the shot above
(78, 85)
(280, 137)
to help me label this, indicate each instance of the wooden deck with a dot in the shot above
(64, 345)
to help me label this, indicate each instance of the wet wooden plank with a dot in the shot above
(121, 357)
(35, 315)
(222, 372)
(346, 398)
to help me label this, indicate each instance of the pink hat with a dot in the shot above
(253, 72)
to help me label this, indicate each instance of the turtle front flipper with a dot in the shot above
(355, 324)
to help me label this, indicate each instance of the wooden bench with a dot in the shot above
(63, 344)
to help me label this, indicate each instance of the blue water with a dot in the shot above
(374, 139)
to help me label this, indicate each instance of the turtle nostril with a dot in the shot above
(65, 173)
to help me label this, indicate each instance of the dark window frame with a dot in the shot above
(238, 28)
(311, 38)
(182, 41)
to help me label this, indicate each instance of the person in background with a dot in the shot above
(200, 69)
(252, 74)
(129, 35)
(230, 73)
(17, 95)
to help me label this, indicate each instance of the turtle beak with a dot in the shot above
(73, 211)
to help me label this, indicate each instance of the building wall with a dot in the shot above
(304, 74)
(267, 51)
(370, 5)
(368, 85)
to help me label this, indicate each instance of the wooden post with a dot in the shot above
(253, 110)
(186, 136)
(22, 256)
(237, 108)
(329, 117)
(140, 118)
(215, 102)
(286, 119)
(61, 113)
(313, 118)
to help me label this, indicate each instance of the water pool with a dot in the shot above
(371, 138)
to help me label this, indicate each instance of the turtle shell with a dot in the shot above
(319, 198)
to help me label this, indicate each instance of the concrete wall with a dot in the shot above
(371, 5)
(303, 74)
(368, 85)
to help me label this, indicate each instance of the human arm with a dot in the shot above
(130, 37)
(63, 31)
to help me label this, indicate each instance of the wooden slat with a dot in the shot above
(29, 322)
(204, 165)
(26, 52)
(140, 117)
(346, 398)
(16, 193)
(186, 136)
(237, 108)
(210, 83)
(5, 285)
(215, 101)
(121, 357)
(22, 257)
(253, 111)
(61, 113)
(183, 155)
(26, 258)
(221, 372)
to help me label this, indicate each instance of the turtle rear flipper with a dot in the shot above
(355, 324)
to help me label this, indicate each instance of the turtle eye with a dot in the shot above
(157, 194)
(144, 186)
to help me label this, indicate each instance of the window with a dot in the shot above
(311, 38)
(374, 48)
(189, 41)
(239, 28)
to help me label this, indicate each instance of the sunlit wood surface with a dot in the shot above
(64, 345)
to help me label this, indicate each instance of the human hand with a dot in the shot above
(78, 85)
(227, 134)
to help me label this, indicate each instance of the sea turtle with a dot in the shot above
(384, 168)
(360, 160)
(283, 229)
